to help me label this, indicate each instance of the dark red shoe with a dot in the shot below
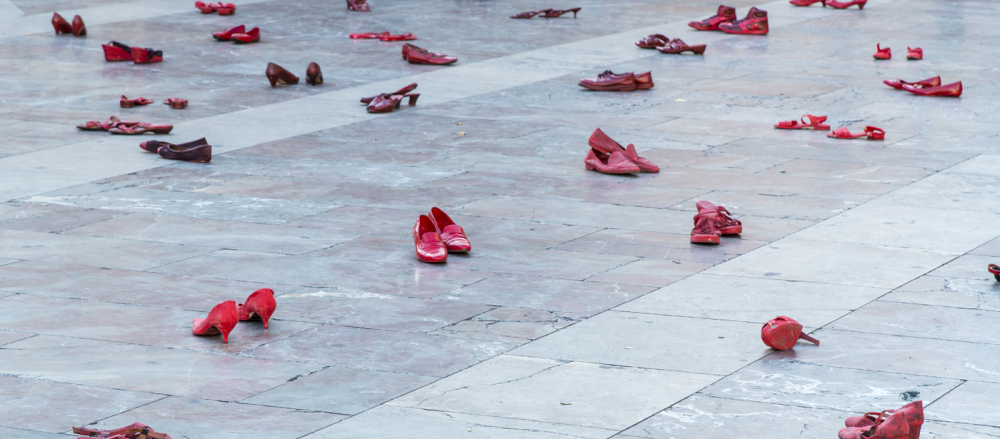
(886, 427)
(403, 37)
(605, 144)
(129, 103)
(704, 231)
(60, 24)
(249, 37)
(994, 270)
(452, 234)
(844, 5)
(723, 222)
(407, 47)
(186, 152)
(882, 54)
(916, 54)
(554, 13)
(899, 83)
(278, 75)
(176, 103)
(358, 6)
(529, 14)
(913, 413)
(112, 122)
(401, 91)
(386, 103)
(259, 306)
(782, 332)
(725, 14)
(644, 81)
(115, 51)
(614, 163)
(141, 128)
(678, 46)
(222, 319)
(653, 41)
(755, 23)
(146, 55)
(79, 29)
(314, 76)
(430, 247)
(610, 81)
(952, 90)
(417, 55)
(227, 35)
(154, 145)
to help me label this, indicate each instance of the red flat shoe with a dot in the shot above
(871, 133)
(401, 91)
(914, 54)
(430, 247)
(112, 122)
(610, 81)
(358, 6)
(228, 34)
(603, 143)
(225, 9)
(653, 41)
(417, 55)
(782, 332)
(725, 14)
(913, 413)
(135, 431)
(994, 270)
(615, 163)
(115, 51)
(844, 5)
(141, 128)
(815, 123)
(205, 9)
(678, 46)
(146, 55)
(755, 23)
(249, 37)
(193, 153)
(723, 222)
(79, 29)
(367, 35)
(386, 103)
(530, 14)
(407, 48)
(154, 145)
(60, 24)
(404, 37)
(259, 306)
(314, 76)
(129, 103)
(898, 83)
(952, 90)
(176, 103)
(806, 2)
(882, 54)
(278, 75)
(704, 231)
(886, 427)
(223, 318)
(555, 13)
(452, 234)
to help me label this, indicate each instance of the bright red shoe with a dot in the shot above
(815, 123)
(601, 142)
(249, 37)
(227, 35)
(205, 9)
(952, 90)
(886, 427)
(755, 23)
(260, 305)
(913, 413)
(704, 231)
(358, 6)
(146, 55)
(870, 133)
(115, 51)
(79, 29)
(914, 54)
(135, 431)
(615, 163)
(430, 246)
(222, 319)
(725, 14)
(994, 270)
(882, 54)
(367, 36)
(403, 37)
(898, 83)
(782, 332)
(723, 222)
(844, 5)
(806, 2)
(225, 9)
(452, 234)
(60, 24)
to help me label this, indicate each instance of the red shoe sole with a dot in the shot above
(735, 230)
(749, 32)
(608, 87)
(704, 239)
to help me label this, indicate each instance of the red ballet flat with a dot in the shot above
(401, 91)
(913, 413)
(452, 234)
(914, 54)
(249, 37)
(141, 128)
(870, 133)
(806, 2)
(725, 14)
(358, 6)
(367, 36)
(782, 332)
(704, 231)
(129, 103)
(677, 46)
(146, 55)
(205, 9)
(724, 223)
(404, 37)
(994, 270)
(154, 145)
(225, 9)
(882, 54)
(227, 35)
(614, 163)
(603, 143)
(430, 247)
(260, 305)
(844, 5)
(755, 23)
(815, 123)
(176, 103)
(115, 51)
(555, 13)
(530, 14)
(886, 427)
(952, 90)
(60, 24)
(222, 319)
(899, 83)
(79, 29)
(653, 41)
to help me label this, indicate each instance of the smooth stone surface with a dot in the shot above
(556, 295)
(95, 252)
(981, 294)
(17, 433)
(964, 404)
(967, 267)
(912, 320)
(582, 214)
(650, 272)
(948, 191)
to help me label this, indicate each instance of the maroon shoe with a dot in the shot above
(407, 47)
(154, 145)
(452, 234)
(187, 152)
(725, 14)
(79, 29)
(141, 128)
(614, 163)
(844, 5)
(314, 76)
(926, 83)
(886, 427)
(704, 231)
(755, 23)
(417, 55)
(176, 103)
(610, 81)
(60, 24)
(115, 51)
(135, 431)
(553, 13)
(401, 91)
(125, 102)
(602, 143)
(678, 46)
(913, 413)
(430, 247)
(227, 35)
(358, 6)
(386, 103)
(146, 55)
(726, 224)
(994, 270)
(653, 41)
(249, 37)
(644, 81)
(806, 2)
(782, 332)
(529, 14)
(278, 75)
(260, 305)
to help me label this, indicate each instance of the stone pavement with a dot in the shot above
(583, 311)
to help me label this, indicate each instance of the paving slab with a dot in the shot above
(924, 321)
(944, 291)
(19, 433)
(545, 293)
(94, 252)
(967, 267)
(965, 404)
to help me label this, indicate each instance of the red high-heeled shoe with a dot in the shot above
(844, 5)
(782, 332)
(882, 54)
(146, 55)
(723, 222)
(952, 90)
(386, 103)
(115, 51)
(994, 270)
(913, 413)
(259, 306)
(223, 318)
(452, 234)
(228, 34)
(401, 91)
(249, 37)
(79, 29)
(898, 83)
(886, 427)
(314, 76)
(555, 13)
(430, 247)
(60, 24)
(530, 14)
(358, 6)
(915, 54)
(704, 231)
(278, 75)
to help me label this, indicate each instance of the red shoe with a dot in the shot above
(898, 83)
(452, 234)
(115, 51)
(417, 55)
(60, 24)
(112, 122)
(430, 247)
(146, 55)
(677, 46)
(223, 318)
(135, 431)
(259, 306)
(815, 123)
(882, 54)
(782, 332)
(610, 81)
(995, 270)
(386, 103)
(886, 427)
(129, 103)
(228, 34)
(154, 145)
(644, 81)
(704, 231)
(871, 133)
(249, 37)
(407, 48)
(401, 91)
(314, 76)
(225, 9)
(176, 103)
(723, 222)
(278, 75)
(205, 9)
(604, 144)
(914, 54)
(844, 5)
(367, 35)
(404, 37)
(530, 14)
(653, 41)
(553, 13)
(358, 6)
(615, 163)
(755, 23)
(141, 128)
(187, 152)
(952, 90)
(913, 413)
(806, 2)
(79, 29)
(724, 15)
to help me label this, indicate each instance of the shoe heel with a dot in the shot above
(413, 99)
(861, 5)
(806, 337)
(273, 80)
(127, 104)
(225, 333)
(698, 50)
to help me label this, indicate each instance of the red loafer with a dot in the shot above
(614, 163)
(430, 247)
(726, 224)
(725, 14)
(782, 332)
(899, 83)
(222, 319)
(704, 231)
(115, 51)
(260, 305)
(755, 23)
(605, 144)
(452, 234)
(952, 90)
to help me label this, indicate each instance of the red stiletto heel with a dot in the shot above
(553, 13)
(899, 83)
(994, 270)
(358, 6)
(430, 247)
(844, 5)
(223, 318)
(79, 29)
(60, 24)
(723, 222)
(725, 14)
(882, 54)
(815, 123)
(228, 34)
(260, 305)
(782, 332)
(952, 90)
(314, 76)
(704, 231)
(677, 46)
(249, 37)
(914, 54)
(870, 133)
(452, 234)
(913, 413)
(278, 75)
(653, 41)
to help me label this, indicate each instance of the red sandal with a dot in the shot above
(554, 13)
(135, 431)
(726, 224)
(141, 128)
(678, 46)
(704, 231)
(886, 427)
(882, 54)
(401, 91)
(782, 332)
(176, 103)
(899, 83)
(129, 103)
(815, 123)
(653, 41)
(871, 133)
(995, 270)
(914, 54)
(112, 122)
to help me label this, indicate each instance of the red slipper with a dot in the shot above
(815, 123)
(952, 90)
(871, 133)
(914, 54)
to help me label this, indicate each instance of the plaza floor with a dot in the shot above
(582, 311)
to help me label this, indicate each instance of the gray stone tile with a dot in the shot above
(800, 207)
(991, 248)
(969, 403)
(550, 391)
(341, 390)
(10, 337)
(981, 294)
(49, 218)
(650, 272)
(582, 214)
(670, 246)
(657, 342)
(18, 433)
(5, 261)
(967, 267)
(94, 252)
(556, 295)
(753, 300)
(935, 430)
(914, 320)
(948, 191)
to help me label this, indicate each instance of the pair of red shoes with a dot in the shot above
(117, 126)
(384, 36)
(666, 45)
(238, 34)
(609, 157)
(902, 423)
(915, 54)
(198, 151)
(135, 431)
(78, 29)
(436, 235)
(417, 55)
(725, 20)
(836, 4)
(611, 81)
(927, 87)
(711, 222)
(115, 51)
(278, 75)
(816, 123)
(782, 332)
(549, 13)
(224, 316)
(222, 9)
(358, 6)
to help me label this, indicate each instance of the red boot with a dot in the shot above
(724, 15)
(259, 306)
(223, 318)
